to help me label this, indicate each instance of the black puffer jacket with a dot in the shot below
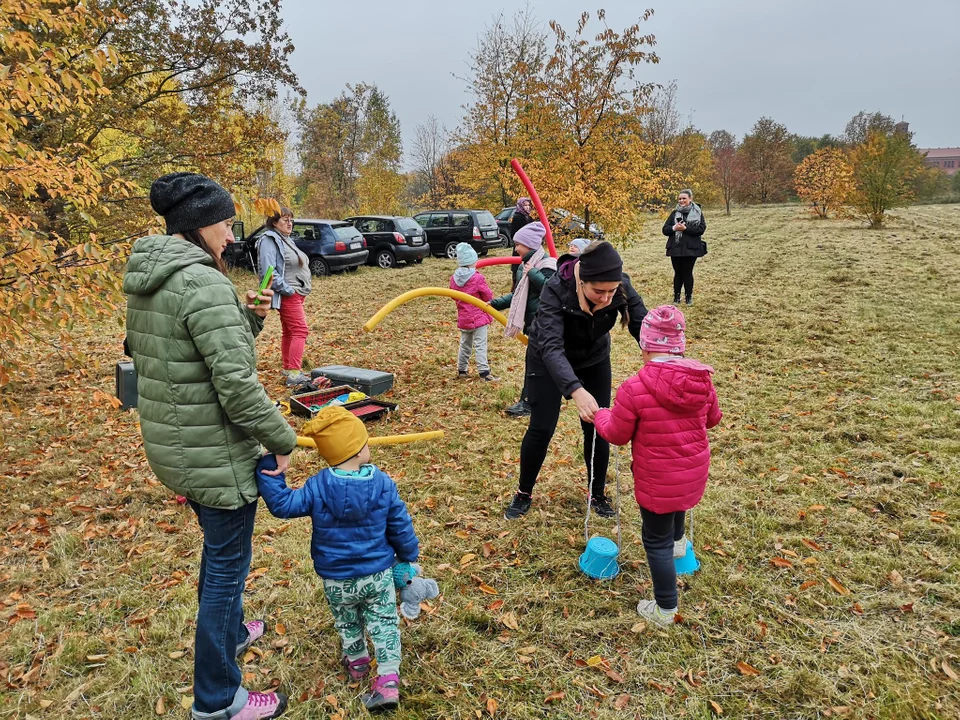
(689, 244)
(518, 221)
(564, 339)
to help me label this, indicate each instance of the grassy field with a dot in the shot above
(835, 350)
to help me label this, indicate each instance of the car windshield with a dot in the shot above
(407, 224)
(485, 219)
(346, 232)
(505, 214)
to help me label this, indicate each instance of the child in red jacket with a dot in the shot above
(665, 409)
(471, 320)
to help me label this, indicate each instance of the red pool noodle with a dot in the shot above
(518, 169)
(513, 260)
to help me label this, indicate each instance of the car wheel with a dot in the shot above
(505, 240)
(386, 259)
(319, 267)
(451, 250)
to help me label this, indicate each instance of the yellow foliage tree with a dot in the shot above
(49, 274)
(824, 179)
(883, 169)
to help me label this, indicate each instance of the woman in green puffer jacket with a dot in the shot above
(204, 416)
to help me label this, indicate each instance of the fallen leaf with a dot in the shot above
(857, 609)
(495, 605)
(622, 701)
(554, 697)
(715, 706)
(807, 584)
(484, 588)
(817, 507)
(467, 558)
(528, 650)
(781, 562)
(949, 671)
(594, 661)
(186, 702)
(280, 628)
(510, 621)
(487, 549)
(835, 584)
(666, 689)
(747, 669)
(811, 544)
(176, 654)
(97, 658)
(491, 706)
(161, 707)
(908, 608)
(613, 675)
(895, 577)
(638, 627)
(332, 700)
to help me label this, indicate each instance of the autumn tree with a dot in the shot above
(350, 154)
(502, 117)
(884, 168)
(592, 157)
(825, 180)
(767, 165)
(861, 125)
(727, 165)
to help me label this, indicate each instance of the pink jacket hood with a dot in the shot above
(678, 384)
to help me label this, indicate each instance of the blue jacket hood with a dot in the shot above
(349, 498)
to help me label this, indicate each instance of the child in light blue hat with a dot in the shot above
(471, 320)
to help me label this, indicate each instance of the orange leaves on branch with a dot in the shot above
(268, 207)
(825, 180)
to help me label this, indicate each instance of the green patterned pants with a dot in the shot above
(370, 603)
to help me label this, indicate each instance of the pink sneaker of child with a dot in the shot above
(384, 695)
(255, 631)
(357, 669)
(261, 706)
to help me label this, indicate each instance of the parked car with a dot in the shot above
(391, 239)
(446, 228)
(330, 245)
(563, 224)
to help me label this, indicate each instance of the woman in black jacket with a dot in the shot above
(521, 215)
(568, 356)
(684, 227)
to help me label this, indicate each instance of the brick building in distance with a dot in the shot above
(947, 159)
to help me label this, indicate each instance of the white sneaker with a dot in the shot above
(680, 548)
(649, 610)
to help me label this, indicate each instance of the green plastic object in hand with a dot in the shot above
(265, 283)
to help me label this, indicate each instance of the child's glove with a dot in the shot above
(412, 588)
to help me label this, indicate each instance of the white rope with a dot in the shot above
(616, 479)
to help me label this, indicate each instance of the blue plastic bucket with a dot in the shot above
(599, 559)
(688, 564)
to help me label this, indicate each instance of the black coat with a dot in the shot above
(518, 221)
(564, 339)
(690, 243)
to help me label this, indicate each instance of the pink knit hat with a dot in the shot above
(662, 330)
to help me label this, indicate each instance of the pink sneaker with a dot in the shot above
(384, 695)
(255, 631)
(357, 669)
(261, 706)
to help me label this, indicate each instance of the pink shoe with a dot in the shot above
(181, 500)
(255, 631)
(357, 669)
(384, 695)
(261, 706)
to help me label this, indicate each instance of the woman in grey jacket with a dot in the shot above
(291, 285)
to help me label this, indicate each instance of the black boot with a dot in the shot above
(676, 298)
(520, 409)
(689, 300)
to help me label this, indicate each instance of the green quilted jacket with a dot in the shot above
(203, 412)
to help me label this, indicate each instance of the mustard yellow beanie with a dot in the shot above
(338, 433)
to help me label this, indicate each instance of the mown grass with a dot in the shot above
(836, 356)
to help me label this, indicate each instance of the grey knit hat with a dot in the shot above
(188, 201)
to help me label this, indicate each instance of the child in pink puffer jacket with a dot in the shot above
(471, 320)
(665, 409)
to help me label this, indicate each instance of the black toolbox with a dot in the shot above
(371, 382)
(125, 378)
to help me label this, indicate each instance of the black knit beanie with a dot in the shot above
(601, 264)
(188, 201)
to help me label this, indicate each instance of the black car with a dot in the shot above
(562, 223)
(447, 228)
(330, 245)
(391, 239)
(504, 223)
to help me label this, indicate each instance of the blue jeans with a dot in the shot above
(658, 535)
(224, 564)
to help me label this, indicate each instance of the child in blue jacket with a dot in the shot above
(361, 528)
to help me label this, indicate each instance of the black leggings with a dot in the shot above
(659, 533)
(683, 275)
(544, 399)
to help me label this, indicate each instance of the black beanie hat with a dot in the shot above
(188, 201)
(602, 263)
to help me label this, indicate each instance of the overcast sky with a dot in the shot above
(809, 64)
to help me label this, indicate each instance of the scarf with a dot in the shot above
(518, 304)
(691, 214)
(519, 208)
(462, 275)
